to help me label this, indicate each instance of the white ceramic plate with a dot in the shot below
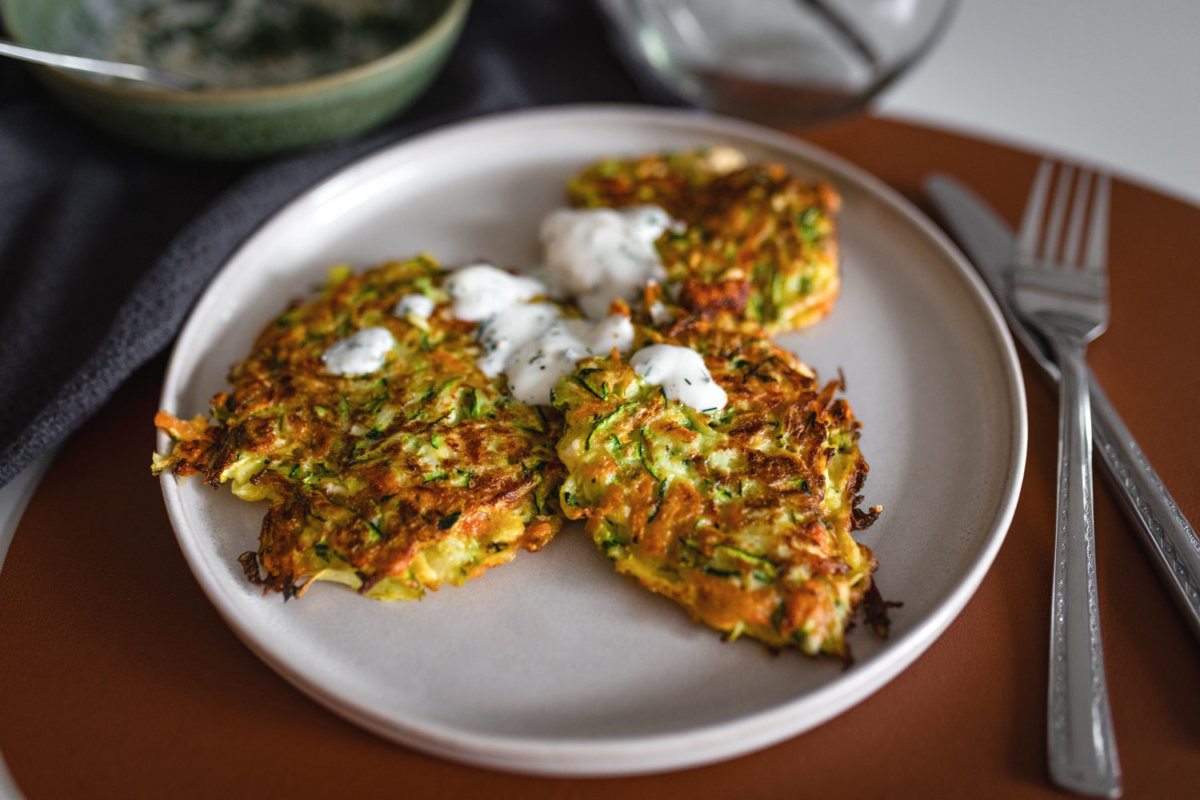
(554, 664)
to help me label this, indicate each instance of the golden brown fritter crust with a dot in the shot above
(423, 472)
(743, 516)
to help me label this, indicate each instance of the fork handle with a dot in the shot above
(1082, 747)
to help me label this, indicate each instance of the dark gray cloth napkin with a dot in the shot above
(104, 248)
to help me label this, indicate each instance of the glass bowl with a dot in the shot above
(781, 62)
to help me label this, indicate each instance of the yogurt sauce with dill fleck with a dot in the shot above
(479, 291)
(601, 255)
(416, 304)
(530, 342)
(511, 330)
(682, 374)
(596, 256)
(359, 354)
(536, 367)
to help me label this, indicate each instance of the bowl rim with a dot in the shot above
(444, 26)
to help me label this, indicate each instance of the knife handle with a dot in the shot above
(1164, 530)
(1161, 526)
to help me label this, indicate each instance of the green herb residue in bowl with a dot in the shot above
(235, 44)
(277, 75)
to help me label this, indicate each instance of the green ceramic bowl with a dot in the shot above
(233, 123)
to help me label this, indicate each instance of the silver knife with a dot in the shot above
(1164, 530)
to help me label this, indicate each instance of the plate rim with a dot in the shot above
(639, 754)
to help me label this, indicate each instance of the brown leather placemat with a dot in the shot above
(118, 679)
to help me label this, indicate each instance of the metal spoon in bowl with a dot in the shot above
(96, 66)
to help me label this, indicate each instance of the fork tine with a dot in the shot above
(1096, 258)
(1078, 214)
(1058, 209)
(1031, 223)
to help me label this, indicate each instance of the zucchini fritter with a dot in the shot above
(744, 516)
(760, 249)
(422, 472)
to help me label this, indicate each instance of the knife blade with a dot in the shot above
(1163, 529)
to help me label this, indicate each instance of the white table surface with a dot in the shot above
(1113, 82)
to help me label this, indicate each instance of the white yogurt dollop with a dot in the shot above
(416, 304)
(682, 374)
(511, 329)
(535, 368)
(601, 255)
(480, 291)
(359, 354)
(531, 343)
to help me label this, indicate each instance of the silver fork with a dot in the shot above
(1065, 297)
